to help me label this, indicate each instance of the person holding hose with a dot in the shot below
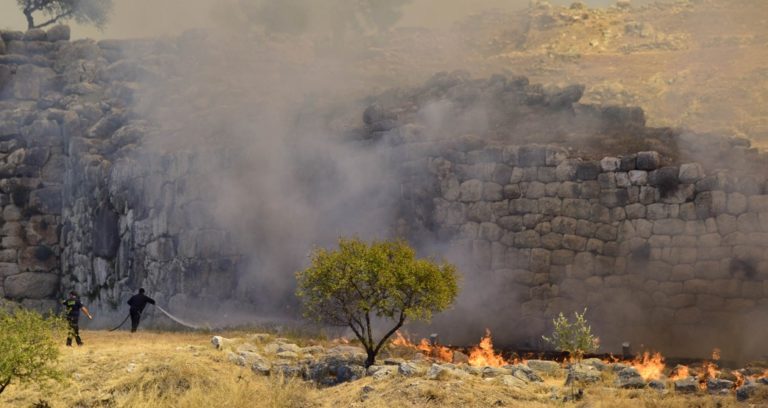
(73, 306)
(137, 303)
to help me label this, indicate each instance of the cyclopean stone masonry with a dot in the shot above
(547, 205)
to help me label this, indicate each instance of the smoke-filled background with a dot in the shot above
(270, 95)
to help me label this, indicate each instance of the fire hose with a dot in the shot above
(170, 316)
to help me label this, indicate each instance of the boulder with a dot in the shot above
(581, 373)
(686, 385)
(35, 34)
(719, 385)
(629, 378)
(544, 366)
(409, 369)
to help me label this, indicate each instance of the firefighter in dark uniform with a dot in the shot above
(137, 303)
(72, 308)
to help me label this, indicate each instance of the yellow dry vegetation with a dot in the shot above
(159, 370)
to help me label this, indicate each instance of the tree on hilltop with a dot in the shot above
(95, 12)
(361, 282)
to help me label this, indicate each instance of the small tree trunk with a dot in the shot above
(30, 20)
(371, 358)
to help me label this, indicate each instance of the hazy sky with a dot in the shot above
(149, 18)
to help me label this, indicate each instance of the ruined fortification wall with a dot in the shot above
(84, 207)
(669, 231)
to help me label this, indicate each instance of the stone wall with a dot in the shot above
(84, 206)
(671, 233)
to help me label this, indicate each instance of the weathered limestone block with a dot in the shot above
(532, 155)
(546, 174)
(737, 203)
(533, 190)
(552, 188)
(648, 160)
(574, 242)
(614, 198)
(540, 260)
(550, 206)
(500, 208)
(501, 174)
(726, 224)
(512, 191)
(585, 228)
(471, 191)
(670, 226)
(512, 223)
(587, 171)
(555, 155)
(523, 206)
(492, 191)
(711, 270)
(31, 285)
(758, 203)
(680, 194)
(509, 155)
(622, 180)
(607, 180)
(610, 164)
(606, 232)
(576, 208)
(490, 231)
(638, 177)
(635, 211)
(590, 189)
(565, 171)
(527, 239)
(480, 212)
(551, 241)
(29, 82)
(710, 203)
(747, 222)
(450, 188)
(681, 273)
(690, 173)
(564, 225)
(649, 195)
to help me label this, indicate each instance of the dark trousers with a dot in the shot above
(74, 330)
(135, 318)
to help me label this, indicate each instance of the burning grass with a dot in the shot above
(183, 370)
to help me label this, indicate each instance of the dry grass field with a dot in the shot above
(163, 369)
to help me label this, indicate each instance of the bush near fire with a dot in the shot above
(361, 284)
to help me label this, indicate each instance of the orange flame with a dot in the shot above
(680, 372)
(650, 366)
(483, 355)
(716, 354)
(740, 380)
(438, 352)
(709, 371)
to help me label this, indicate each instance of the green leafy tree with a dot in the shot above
(360, 282)
(574, 337)
(28, 346)
(94, 12)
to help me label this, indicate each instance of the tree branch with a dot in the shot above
(54, 20)
(4, 384)
(389, 334)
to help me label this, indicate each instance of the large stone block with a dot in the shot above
(533, 190)
(492, 191)
(690, 173)
(58, 33)
(710, 203)
(532, 155)
(480, 212)
(587, 171)
(576, 208)
(614, 198)
(31, 285)
(648, 160)
(527, 239)
(471, 191)
(564, 225)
